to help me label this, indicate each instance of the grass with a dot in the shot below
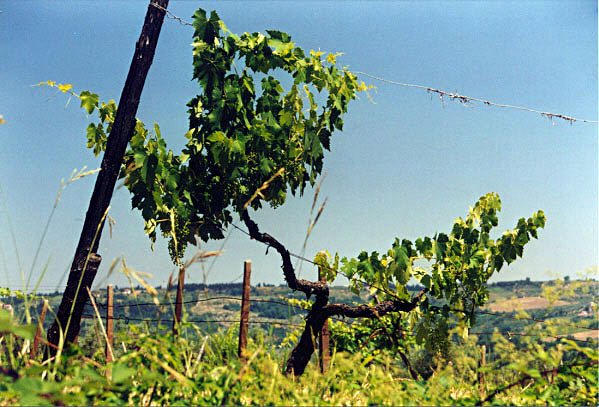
(151, 366)
(157, 368)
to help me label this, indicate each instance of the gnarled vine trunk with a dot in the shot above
(302, 353)
(321, 309)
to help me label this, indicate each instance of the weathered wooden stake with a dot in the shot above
(481, 375)
(38, 333)
(122, 131)
(323, 344)
(109, 322)
(179, 301)
(245, 309)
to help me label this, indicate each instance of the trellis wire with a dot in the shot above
(199, 321)
(480, 312)
(469, 99)
(507, 333)
(282, 323)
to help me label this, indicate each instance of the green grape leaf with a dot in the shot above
(89, 101)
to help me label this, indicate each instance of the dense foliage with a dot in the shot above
(461, 263)
(241, 133)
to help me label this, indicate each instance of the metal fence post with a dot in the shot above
(245, 309)
(323, 344)
(179, 301)
(38, 333)
(109, 322)
(481, 375)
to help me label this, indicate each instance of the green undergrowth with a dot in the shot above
(157, 368)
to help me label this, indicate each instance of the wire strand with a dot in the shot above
(508, 333)
(199, 321)
(104, 305)
(470, 99)
(270, 322)
(171, 15)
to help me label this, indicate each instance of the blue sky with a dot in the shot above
(405, 166)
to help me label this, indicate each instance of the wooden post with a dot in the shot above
(179, 301)
(38, 333)
(109, 322)
(481, 375)
(75, 296)
(323, 344)
(118, 139)
(245, 310)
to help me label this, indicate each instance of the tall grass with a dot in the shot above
(152, 366)
(162, 369)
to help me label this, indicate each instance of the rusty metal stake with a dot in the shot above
(481, 375)
(245, 310)
(179, 301)
(323, 344)
(38, 333)
(109, 322)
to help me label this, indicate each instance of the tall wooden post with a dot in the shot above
(38, 333)
(179, 301)
(245, 310)
(109, 322)
(481, 375)
(74, 297)
(323, 343)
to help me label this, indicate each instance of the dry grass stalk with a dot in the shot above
(109, 346)
(263, 187)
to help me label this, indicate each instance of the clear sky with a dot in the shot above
(406, 165)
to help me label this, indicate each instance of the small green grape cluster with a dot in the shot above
(182, 231)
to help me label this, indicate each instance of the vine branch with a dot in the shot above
(368, 311)
(308, 287)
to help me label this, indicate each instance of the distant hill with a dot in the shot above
(214, 306)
